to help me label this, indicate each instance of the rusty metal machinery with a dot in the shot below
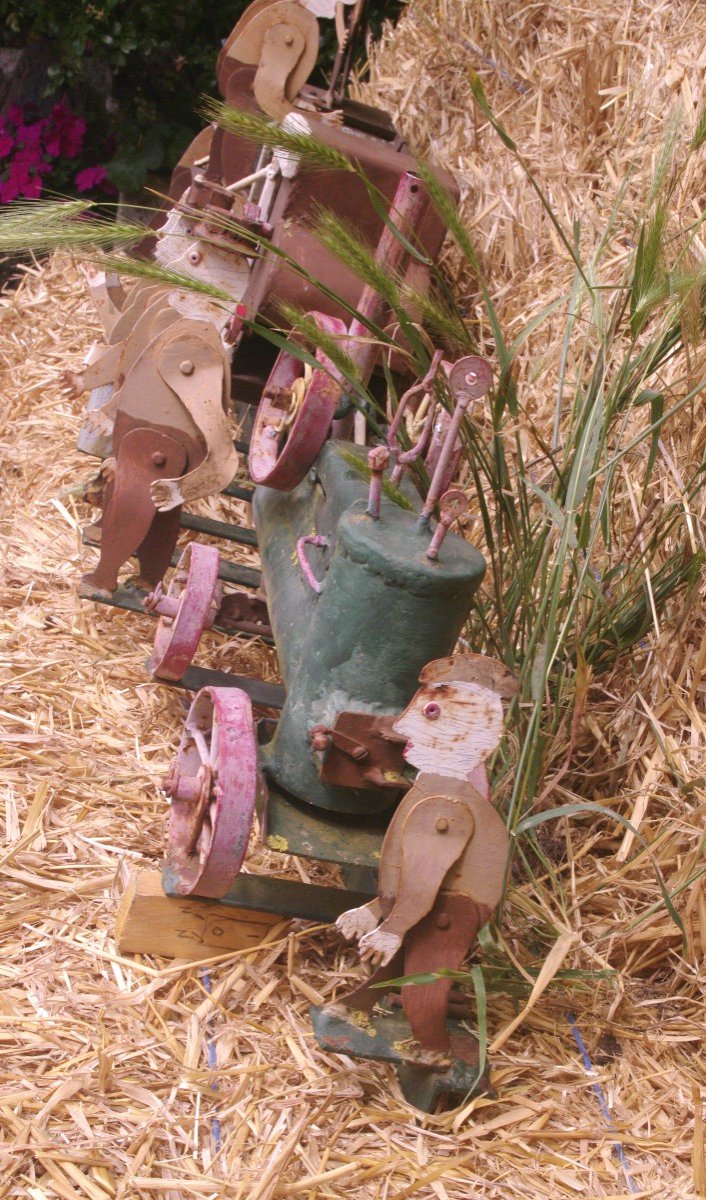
(376, 761)
(376, 758)
(175, 362)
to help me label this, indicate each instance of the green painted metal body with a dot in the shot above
(384, 611)
(385, 1036)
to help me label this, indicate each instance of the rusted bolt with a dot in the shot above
(378, 459)
(320, 738)
(443, 921)
(171, 780)
(186, 367)
(158, 458)
(471, 377)
(441, 824)
(432, 711)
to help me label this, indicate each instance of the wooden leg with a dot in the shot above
(364, 997)
(442, 939)
(155, 551)
(143, 455)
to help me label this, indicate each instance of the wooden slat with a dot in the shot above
(148, 922)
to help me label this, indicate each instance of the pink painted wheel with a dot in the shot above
(212, 784)
(294, 415)
(187, 608)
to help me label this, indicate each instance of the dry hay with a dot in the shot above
(142, 1078)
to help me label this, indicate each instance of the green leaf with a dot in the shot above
(127, 172)
(557, 516)
(588, 806)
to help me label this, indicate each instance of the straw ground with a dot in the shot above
(142, 1078)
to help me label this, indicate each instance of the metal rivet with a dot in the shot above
(432, 711)
(443, 921)
(289, 40)
(441, 824)
(186, 367)
(158, 458)
(471, 377)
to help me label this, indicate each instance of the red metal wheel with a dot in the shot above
(294, 415)
(187, 608)
(212, 784)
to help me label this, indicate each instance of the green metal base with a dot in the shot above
(385, 1036)
(297, 828)
(262, 694)
(285, 897)
(129, 597)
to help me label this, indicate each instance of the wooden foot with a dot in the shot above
(149, 922)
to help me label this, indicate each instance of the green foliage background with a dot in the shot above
(136, 71)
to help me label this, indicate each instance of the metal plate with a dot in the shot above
(296, 828)
(288, 897)
(385, 1036)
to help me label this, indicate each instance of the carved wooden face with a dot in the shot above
(452, 727)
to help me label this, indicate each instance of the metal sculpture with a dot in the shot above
(239, 223)
(377, 728)
(376, 760)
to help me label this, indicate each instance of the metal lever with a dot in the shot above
(378, 459)
(453, 504)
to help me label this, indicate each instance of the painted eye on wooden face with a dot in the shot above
(451, 727)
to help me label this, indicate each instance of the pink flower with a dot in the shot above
(15, 114)
(9, 191)
(6, 143)
(52, 143)
(66, 131)
(89, 178)
(19, 172)
(32, 189)
(27, 156)
(73, 138)
(30, 135)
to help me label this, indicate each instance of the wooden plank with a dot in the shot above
(149, 922)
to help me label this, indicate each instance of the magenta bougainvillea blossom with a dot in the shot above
(32, 148)
(89, 178)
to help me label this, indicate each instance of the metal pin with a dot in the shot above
(378, 459)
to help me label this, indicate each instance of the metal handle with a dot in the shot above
(312, 540)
